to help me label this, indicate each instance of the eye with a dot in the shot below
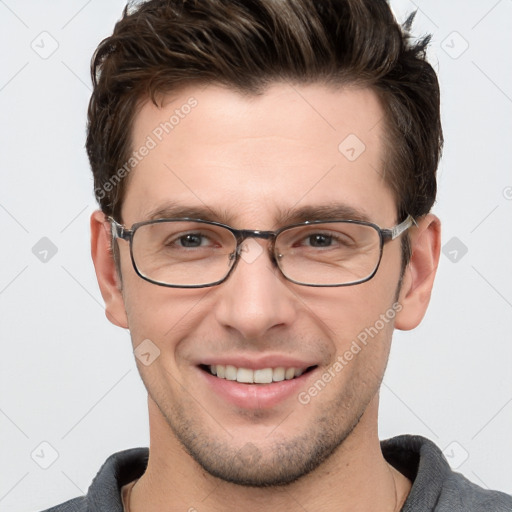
(329, 239)
(191, 240)
(319, 240)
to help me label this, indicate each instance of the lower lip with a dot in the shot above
(256, 396)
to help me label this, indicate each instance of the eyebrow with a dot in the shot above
(285, 216)
(176, 211)
(330, 211)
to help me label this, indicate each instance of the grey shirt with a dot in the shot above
(436, 488)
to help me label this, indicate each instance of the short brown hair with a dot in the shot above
(161, 45)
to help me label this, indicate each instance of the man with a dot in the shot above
(265, 172)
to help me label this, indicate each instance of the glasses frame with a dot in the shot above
(119, 231)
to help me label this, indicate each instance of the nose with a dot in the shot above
(256, 297)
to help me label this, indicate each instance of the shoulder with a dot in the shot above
(467, 496)
(103, 494)
(436, 487)
(74, 505)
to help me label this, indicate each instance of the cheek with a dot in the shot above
(344, 314)
(162, 315)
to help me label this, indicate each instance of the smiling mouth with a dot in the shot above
(260, 376)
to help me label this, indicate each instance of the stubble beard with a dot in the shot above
(278, 463)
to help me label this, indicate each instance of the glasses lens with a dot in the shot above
(183, 253)
(331, 253)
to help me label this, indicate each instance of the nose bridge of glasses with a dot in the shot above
(244, 234)
(255, 233)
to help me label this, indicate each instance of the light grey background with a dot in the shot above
(68, 377)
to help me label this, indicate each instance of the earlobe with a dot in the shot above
(105, 268)
(420, 272)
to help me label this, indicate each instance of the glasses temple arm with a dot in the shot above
(396, 231)
(118, 230)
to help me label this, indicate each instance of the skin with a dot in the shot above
(247, 158)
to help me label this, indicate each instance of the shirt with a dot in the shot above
(435, 487)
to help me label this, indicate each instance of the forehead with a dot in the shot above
(249, 158)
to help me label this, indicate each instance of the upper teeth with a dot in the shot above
(248, 376)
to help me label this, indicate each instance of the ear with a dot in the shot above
(108, 280)
(420, 272)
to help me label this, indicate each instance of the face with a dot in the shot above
(253, 162)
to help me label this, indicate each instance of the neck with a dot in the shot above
(355, 478)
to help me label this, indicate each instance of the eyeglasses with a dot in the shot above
(194, 253)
